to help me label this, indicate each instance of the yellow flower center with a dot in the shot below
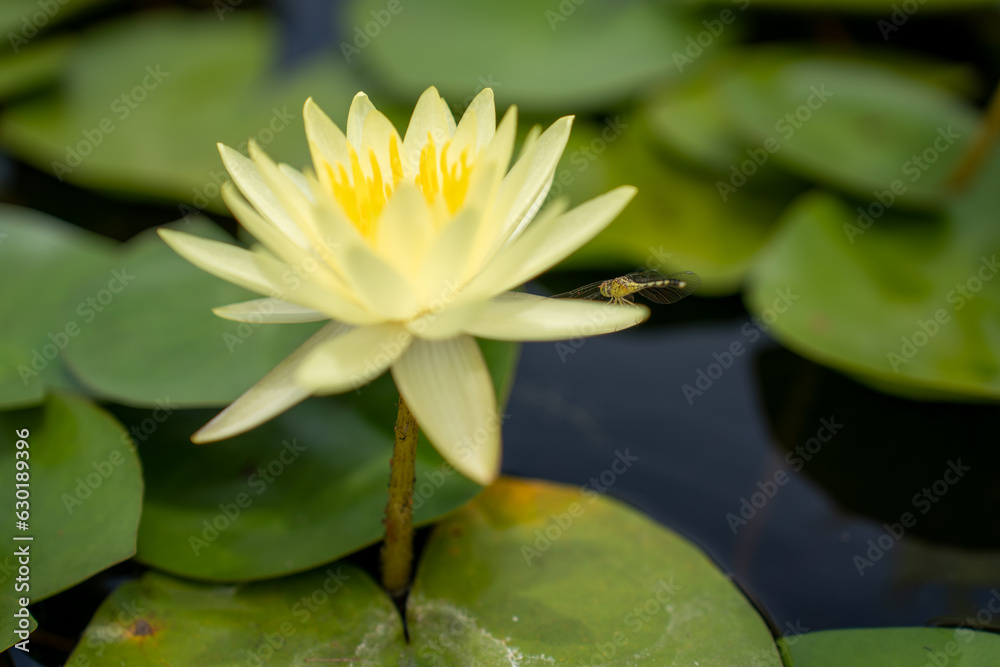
(363, 197)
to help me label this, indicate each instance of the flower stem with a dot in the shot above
(977, 153)
(397, 550)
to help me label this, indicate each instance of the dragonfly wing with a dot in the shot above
(657, 292)
(591, 291)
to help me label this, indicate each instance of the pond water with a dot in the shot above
(808, 534)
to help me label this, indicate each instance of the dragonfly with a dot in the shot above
(652, 285)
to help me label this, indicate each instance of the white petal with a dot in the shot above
(354, 359)
(444, 266)
(549, 241)
(227, 261)
(248, 179)
(538, 179)
(361, 106)
(269, 311)
(274, 394)
(526, 317)
(327, 144)
(484, 108)
(447, 387)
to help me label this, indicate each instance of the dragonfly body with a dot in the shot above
(652, 285)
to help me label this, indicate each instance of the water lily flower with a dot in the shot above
(410, 248)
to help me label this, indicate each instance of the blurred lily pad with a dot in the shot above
(568, 56)
(23, 20)
(907, 304)
(529, 573)
(85, 491)
(680, 219)
(857, 126)
(36, 67)
(147, 98)
(155, 337)
(892, 647)
(48, 259)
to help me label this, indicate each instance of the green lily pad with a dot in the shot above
(892, 647)
(157, 339)
(85, 491)
(679, 220)
(906, 304)
(147, 99)
(34, 68)
(533, 573)
(48, 258)
(322, 617)
(603, 585)
(853, 125)
(303, 489)
(568, 56)
(887, 7)
(21, 21)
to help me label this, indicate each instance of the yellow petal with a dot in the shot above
(354, 359)
(268, 311)
(274, 394)
(378, 285)
(432, 118)
(526, 317)
(227, 261)
(443, 269)
(484, 109)
(361, 106)
(447, 387)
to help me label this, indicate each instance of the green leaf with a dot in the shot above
(157, 338)
(322, 617)
(892, 647)
(853, 125)
(22, 20)
(679, 219)
(568, 57)
(147, 98)
(48, 259)
(893, 15)
(604, 586)
(304, 489)
(85, 490)
(908, 304)
(34, 68)
(553, 574)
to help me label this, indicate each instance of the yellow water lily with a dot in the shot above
(409, 247)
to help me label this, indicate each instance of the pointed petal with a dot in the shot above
(354, 359)
(429, 118)
(227, 261)
(447, 387)
(538, 179)
(327, 144)
(484, 108)
(268, 311)
(444, 267)
(377, 135)
(526, 317)
(248, 179)
(361, 106)
(549, 241)
(274, 394)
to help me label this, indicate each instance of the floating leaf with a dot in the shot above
(892, 647)
(85, 491)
